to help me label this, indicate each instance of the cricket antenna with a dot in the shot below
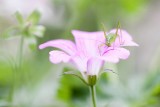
(109, 70)
(118, 27)
(119, 24)
(120, 35)
(104, 30)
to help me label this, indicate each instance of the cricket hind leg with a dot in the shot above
(110, 70)
(100, 47)
(120, 35)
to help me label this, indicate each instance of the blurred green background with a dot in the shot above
(40, 84)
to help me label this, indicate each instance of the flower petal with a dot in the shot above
(94, 65)
(110, 57)
(114, 54)
(80, 62)
(58, 56)
(122, 53)
(65, 45)
(124, 38)
(88, 42)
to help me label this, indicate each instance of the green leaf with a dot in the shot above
(37, 30)
(11, 32)
(76, 75)
(156, 91)
(31, 41)
(34, 17)
(19, 18)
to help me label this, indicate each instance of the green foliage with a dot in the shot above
(5, 73)
(83, 15)
(72, 90)
(19, 18)
(34, 17)
(27, 28)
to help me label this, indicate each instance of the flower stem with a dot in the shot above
(93, 95)
(20, 53)
(17, 69)
(20, 61)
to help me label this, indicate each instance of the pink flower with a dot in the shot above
(87, 53)
(116, 50)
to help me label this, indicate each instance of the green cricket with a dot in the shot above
(111, 37)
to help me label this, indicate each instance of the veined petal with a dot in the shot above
(129, 43)
(122, 53)
(94, 65)
(65, 45)
(114, 54)
(58, 56)
(88, 42)
(124, 38)
(110, 57)
(80, 62)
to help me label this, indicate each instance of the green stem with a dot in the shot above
(93, 95)
(17, 69)
(20, 61)
(20, 53)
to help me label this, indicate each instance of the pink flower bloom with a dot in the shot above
(116, 52)
(86, 53)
